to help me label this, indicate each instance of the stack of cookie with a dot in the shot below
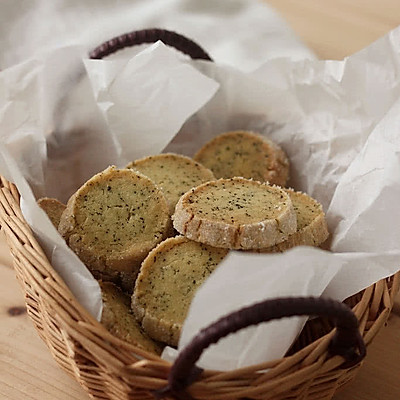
(159, 227)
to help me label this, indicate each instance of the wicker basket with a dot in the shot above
(321, 360)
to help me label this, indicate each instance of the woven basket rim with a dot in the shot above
(75, 317)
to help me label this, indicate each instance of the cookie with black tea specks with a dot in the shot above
(115, 219)
(312, 229)
(245, 154)
(118, 319)
(174, 174)
(236, 213)
(53, 208)
(168, 280)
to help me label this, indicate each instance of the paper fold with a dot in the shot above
(343, 151)
(54, 135)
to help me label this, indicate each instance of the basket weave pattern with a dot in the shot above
(108, 368)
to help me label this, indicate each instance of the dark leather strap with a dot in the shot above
(134, 38)
(347, 341)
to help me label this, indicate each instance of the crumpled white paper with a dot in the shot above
(335, 128)
(221, 27)
(338, 122)
(244, 279)
(55, 136)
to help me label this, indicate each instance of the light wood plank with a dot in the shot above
(379, 377)
(335, 29)
(27, 370)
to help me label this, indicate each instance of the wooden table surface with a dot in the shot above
(333, 29)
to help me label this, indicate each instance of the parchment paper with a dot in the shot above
(54, 135)
(221, 27)
(59, 125)
(339, 123)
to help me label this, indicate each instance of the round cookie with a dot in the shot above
(236, 213)
(118, 319)
(174, 174)
(312, 229)
(125, 280)
(53, 208)
(245, 154)
(115, 219)
(167, 282)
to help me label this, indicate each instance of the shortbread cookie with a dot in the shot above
(312, 229)
(236, 213)
(53, 208)
(115, 219)
(118, 319)
(167, 282)
(245, 154)
(125, 280)
(174, 174)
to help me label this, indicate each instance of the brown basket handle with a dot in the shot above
(134, 38)
(347, 341)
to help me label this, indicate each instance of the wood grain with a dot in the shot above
(335, 29)
(27, 370)
(379, 376)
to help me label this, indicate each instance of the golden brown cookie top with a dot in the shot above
(236, 213)
(174, 174)
(167, 283)
(115, 219)
(119, 320)
(245, 154)
(312, 228)
(53, 208)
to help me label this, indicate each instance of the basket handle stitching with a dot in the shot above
(134, 38)
(347, 341)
